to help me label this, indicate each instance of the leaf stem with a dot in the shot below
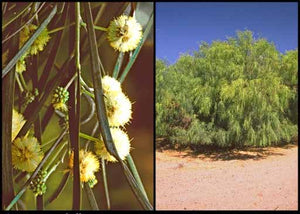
(19, 83)
(60, 28)
(23, 81)
(100, 28)
(88, 137)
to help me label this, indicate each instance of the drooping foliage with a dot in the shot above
(238, 92)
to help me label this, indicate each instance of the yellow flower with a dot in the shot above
(21, 64)
(25, 33)
(124, 33)
(111, 85)
(118, 105)
(39, 43)
(26, 153)
(17, 123)
(121, 142)
(88, 164)
(60, 106)
(118, 110)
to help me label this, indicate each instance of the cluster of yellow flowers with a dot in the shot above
(38, 44)
(121, 142)
(118, 108)
(88, 165)
(26, 151)
(119, 113)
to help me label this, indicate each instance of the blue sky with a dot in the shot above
(180, 27)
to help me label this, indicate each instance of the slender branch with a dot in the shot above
(74, 114)
(17, 16)
(70, 82)
(55, 155)
(91, 111)
(23, 81)
(96, 127)
(60, 28)
(19, 82)
(19, 29)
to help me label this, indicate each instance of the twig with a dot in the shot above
(19, 29)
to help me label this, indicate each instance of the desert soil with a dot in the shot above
(253, 179)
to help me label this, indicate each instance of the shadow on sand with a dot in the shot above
(226, 154)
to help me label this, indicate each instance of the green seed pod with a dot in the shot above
(60, 98)
(38, 184)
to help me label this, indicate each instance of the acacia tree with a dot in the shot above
(237, 92)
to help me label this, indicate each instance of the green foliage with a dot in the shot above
(239, 92)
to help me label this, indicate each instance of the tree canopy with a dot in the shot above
(238, 92)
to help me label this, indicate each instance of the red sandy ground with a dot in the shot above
(253, 179)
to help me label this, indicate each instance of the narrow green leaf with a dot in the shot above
(8, 84)
(100, 106)
(59, 189)
(135, 174)
(26, 46)
(52, 55)
(135, 188)
(90, 196)
(55, 155)
(118, 65)
(105, 183)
